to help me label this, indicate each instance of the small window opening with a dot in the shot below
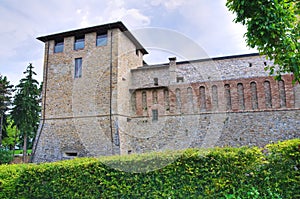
(137, 52)
(71, 154)
(154, 115)
(250, 64)
(129, 151)
(78, 67)
(179, 79)
(155, 81)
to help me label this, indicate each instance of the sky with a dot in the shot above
(207, 23)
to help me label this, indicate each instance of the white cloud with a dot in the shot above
(169, 5)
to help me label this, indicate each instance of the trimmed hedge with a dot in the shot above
(272, 172)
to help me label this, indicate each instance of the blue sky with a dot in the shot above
(208, 23)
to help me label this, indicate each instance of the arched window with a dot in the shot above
(254, 100)
(178, 99)
(133, 102)
(268, 95)
(227, 97)
(202, 98)
(241, 99)
(154, 97)
(190, 99)
(144, 100)
(282, 95)
(167, 99)
(215, 103)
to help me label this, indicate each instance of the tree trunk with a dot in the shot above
(25, 148)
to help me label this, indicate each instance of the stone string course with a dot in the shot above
(226, 101)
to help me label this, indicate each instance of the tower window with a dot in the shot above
(79, 43)
(155, 81)
(101, 40)
(154, 115)
(78, 67)
(59, 46)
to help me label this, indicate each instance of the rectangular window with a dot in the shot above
(79, 43)
(59, 46)
(78, 67)
(101, 40)
(154, 115)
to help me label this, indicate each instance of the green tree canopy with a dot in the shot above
(272, 28)
(6, 90)
(26, 107)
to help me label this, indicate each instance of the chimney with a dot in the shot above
(172, 70)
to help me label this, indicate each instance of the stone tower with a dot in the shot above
(86, 72)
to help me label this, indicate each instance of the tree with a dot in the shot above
(26, 108)
(6, 90)
(273, 28)
(12, 138)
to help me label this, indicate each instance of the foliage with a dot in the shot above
(5, 156)
(5, 101)
(273, 28)
(12, 138)
(25, 112)
(214, 173)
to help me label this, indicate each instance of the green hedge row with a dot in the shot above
(271, 172)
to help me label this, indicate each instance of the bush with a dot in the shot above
(194, 173)
(5, 156)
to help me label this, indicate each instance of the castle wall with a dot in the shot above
(233, 103)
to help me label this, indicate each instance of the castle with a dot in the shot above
(101, 98)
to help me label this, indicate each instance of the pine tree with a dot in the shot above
(6, 90)
(26, 108)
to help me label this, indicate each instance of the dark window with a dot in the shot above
(59, 46)
(179, 79)
(101, 40)
(78, 67)
(154, 115)
(79, 43)
(155, 81)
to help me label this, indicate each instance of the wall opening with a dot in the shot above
(133, 102)
(154, 115)
(154, 97)
(241, 98)
(227, 97)
(144, 100)
(215, 103)
(254, 100)
(282, 95)
(202, 98)
(155, 81)
(70, 154)
(178, 99)
(167, 99)
(190, 99)
(268, 94)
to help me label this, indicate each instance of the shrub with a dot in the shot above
(194, 173)
(5, 156)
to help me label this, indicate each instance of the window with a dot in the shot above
(101, 40)
(59, 46)
(79, 43)
(78, 67)
(155, 81)
(154, 115)
(179, 79)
